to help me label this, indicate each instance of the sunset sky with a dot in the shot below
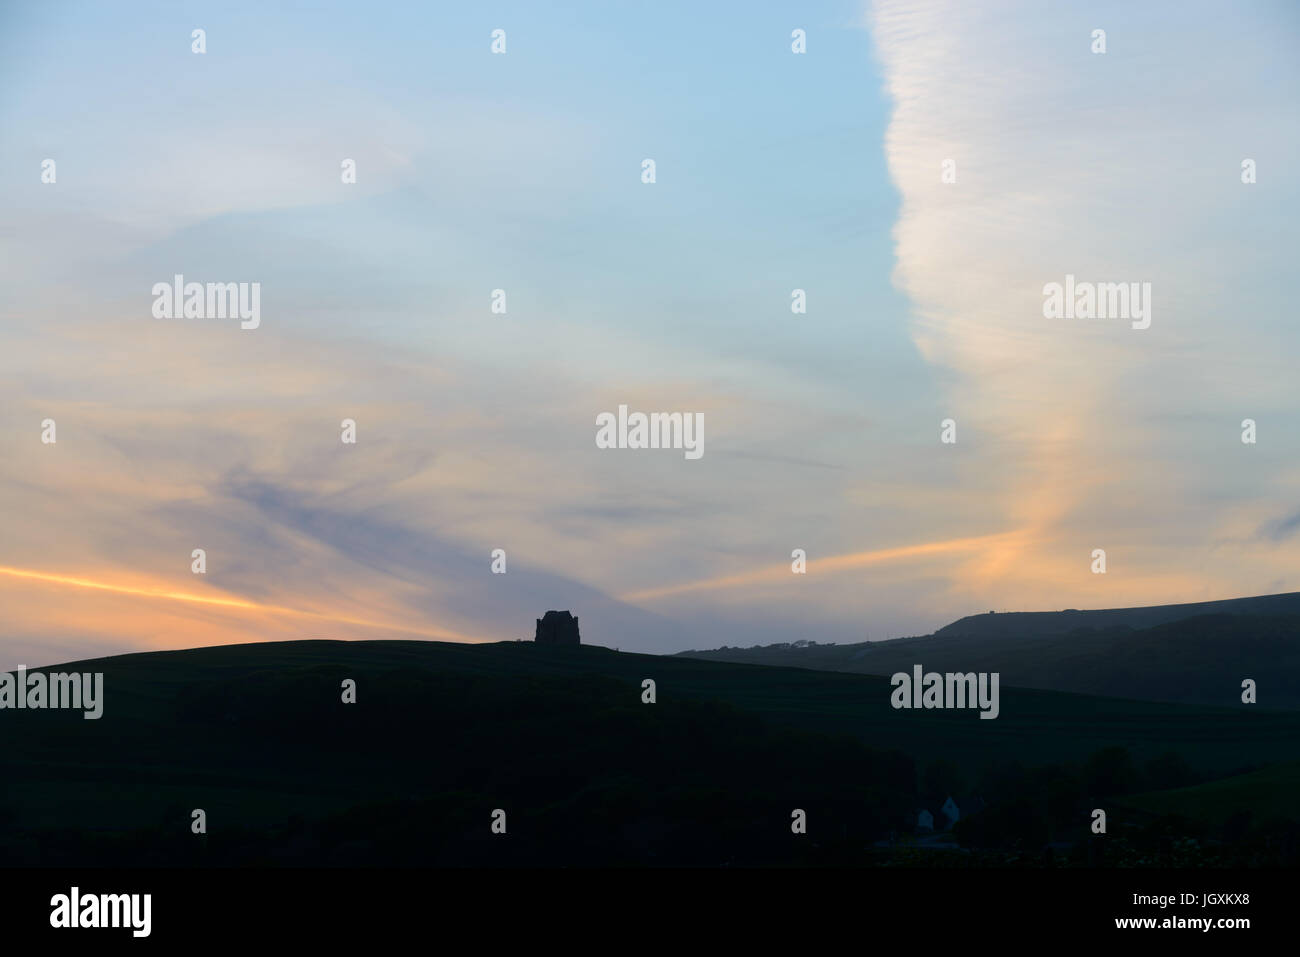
(775, 171)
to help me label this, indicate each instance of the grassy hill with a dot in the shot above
(1266, 794)
(443, 733)
(1200, 660)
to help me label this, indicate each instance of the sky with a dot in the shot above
(922, 172)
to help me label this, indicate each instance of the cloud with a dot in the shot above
(304, 535)
(1281, 529)
(783, 573)
(1114, 167)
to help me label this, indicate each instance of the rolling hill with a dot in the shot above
(1198, 660)
(1039, 623)
(441, 734)
(1266, 794)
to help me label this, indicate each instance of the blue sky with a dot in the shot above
(775, 171)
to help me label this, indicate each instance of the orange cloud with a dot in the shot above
(238, 604)
(773, 574)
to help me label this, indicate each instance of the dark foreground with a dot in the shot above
(514, 755)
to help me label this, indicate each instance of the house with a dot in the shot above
(941, 817)
(932, 816)
(950, 812)
(936, 818)
(557, 628)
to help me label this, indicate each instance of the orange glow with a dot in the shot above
(240, 604)
(836, 563)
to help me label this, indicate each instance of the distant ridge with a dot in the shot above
(1196, 653)
(1025, 624)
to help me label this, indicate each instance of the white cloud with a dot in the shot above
(1119, 167)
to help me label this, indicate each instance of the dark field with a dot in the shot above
(442, 734)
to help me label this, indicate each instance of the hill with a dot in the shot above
(1034, 624)
(442, 734)
(1200, 660)
(1263, 795)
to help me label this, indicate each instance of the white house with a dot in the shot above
(946, 814)
(951, 812)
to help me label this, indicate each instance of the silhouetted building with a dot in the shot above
(557, 628)
(936, 817)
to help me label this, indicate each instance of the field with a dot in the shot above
(256, 735)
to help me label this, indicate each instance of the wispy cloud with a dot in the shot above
(1281, 529)
(1120, 167)
(164, 593)
(833, 564)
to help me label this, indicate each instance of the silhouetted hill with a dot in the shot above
(442, 734)
(1035, 624)
(1198, 660)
